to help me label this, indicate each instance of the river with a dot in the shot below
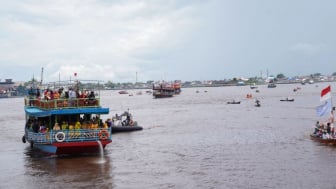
(192, 140)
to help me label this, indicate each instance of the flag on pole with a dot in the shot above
(324, 108)
(325, 94)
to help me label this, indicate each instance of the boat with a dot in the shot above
(177, 86)
(7, 89)
(257, 103)
(324, 131)
(287, 100)
(163, 90)
(233, 102)
(253, 86)
(124, 123)
(271, 85)
(123, 92)
(329, 141)
(58, 122)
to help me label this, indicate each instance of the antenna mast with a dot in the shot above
(41, 76)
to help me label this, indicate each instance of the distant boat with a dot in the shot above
(253, 86)
(257, 103)
(233, 102)
(177, 86)
(163, 90)
(271, 85)
(123, 92)
(287, 100)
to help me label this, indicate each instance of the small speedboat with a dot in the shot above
(124, 123)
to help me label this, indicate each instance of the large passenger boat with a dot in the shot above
(163, 90)
(64, 118)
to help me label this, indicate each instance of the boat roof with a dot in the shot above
(37, 112)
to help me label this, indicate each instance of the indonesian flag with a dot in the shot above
(325, 94)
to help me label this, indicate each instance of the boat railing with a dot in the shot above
(75, 135)
(62, 103)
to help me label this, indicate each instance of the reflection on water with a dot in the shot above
(88, 171)
(193, 140)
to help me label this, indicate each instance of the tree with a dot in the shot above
(280, 76)
(334, 74)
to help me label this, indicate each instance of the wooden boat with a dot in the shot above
(271, 85)
(177, 86)
(123, 92)
(257, 103)
(163, 90)
(323, 141)
(287, 100)
(66, 125)
(234, 102)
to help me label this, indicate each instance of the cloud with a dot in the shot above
(111, 38)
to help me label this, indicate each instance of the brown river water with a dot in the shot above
(193, 140)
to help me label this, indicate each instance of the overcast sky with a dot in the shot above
(112, 40)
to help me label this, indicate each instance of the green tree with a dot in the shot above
(334, 74)
(280, 76)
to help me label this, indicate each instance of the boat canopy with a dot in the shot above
(36, 112)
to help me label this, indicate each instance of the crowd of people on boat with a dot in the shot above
(42, 126)
(70, 95)
(49, 94)
(326, 129)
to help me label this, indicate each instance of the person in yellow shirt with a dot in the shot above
(64, 125)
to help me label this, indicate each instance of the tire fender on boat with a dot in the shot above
(103, 135)
(60, 137)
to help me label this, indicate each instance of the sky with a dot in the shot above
(141, 40)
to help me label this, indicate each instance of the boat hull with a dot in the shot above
(117, 129)
(323, 141)
(71, 148)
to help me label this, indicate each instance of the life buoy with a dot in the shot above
(60, 137)
(103, 135)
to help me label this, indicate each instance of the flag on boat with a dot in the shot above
(324, 108)
(325, 94)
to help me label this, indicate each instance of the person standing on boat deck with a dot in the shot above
(91, 98)
(72, 97)
(332, 117)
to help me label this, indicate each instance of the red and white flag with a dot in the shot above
(325, 94)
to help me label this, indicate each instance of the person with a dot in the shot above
(56, 127)
(35, 126)
(109, 122)
(43, 128)
(317, 127)
(64, 125)
(332, 117)
(257, 102)
(91, 98)
(72, 97)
